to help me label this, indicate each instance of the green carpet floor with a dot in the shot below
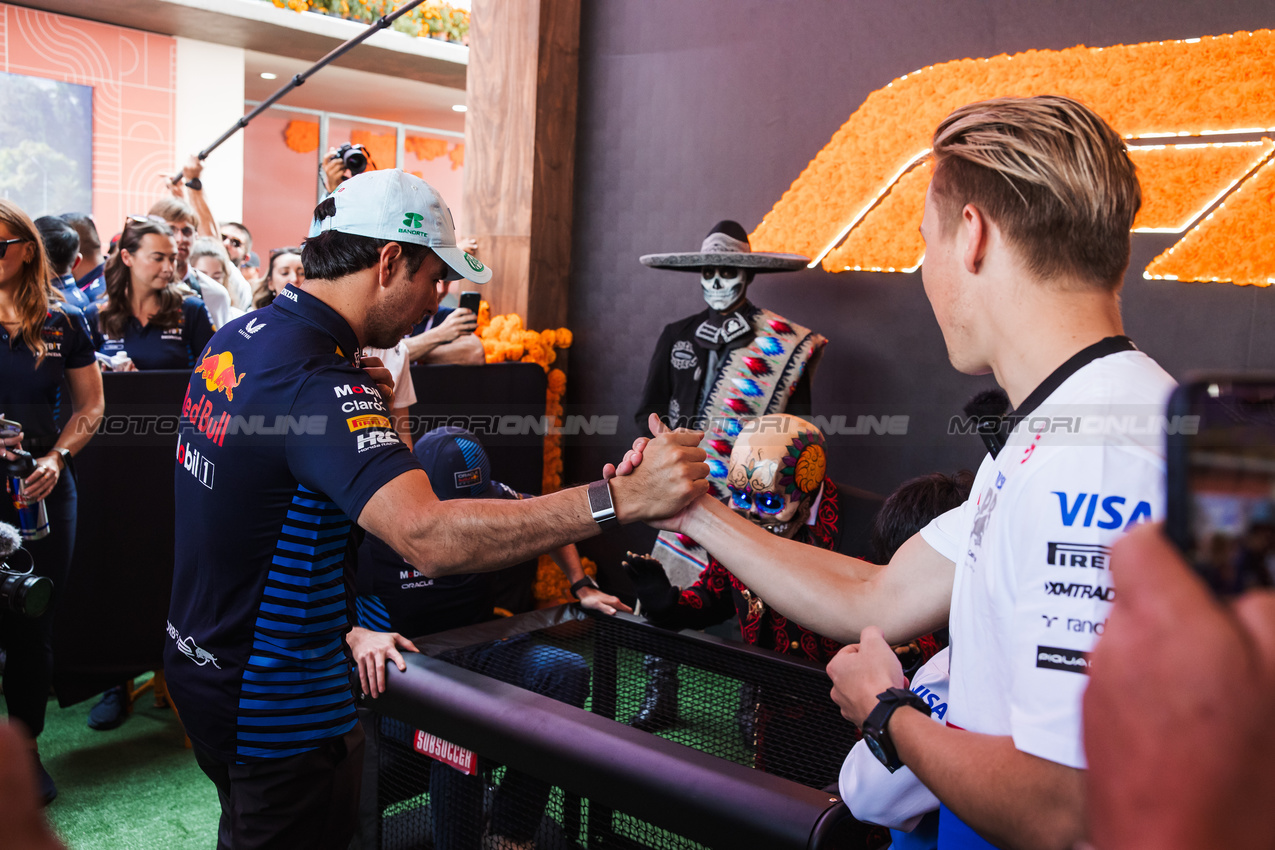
(133, 787)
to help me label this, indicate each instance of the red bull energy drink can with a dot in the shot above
(33, 517)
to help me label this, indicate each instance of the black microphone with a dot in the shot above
(990, 407)
(21, 591)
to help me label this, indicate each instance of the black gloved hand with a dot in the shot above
(657, 595)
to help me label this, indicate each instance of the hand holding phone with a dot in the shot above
(470, 301)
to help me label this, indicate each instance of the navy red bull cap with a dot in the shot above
(456, 463)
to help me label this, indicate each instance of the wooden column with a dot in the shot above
(520, 136)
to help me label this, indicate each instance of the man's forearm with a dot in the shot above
(480, 535)
(1012, 799)
(827, 592)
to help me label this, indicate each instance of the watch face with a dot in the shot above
(875, 747)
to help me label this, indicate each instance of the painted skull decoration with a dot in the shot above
(776, 472)
(724, 286)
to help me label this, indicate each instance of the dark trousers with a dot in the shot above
(309, 800)
(28, 668)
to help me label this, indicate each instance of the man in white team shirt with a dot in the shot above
(1027, 226)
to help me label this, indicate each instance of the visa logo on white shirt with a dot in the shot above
(1084, 508)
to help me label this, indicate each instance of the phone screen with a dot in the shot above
(470, 301)
(1222, 481)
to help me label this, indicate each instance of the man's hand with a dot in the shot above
(861, 671)
(458, 323)
(633, 457)
(333, 170)
(671, 476)
(192, 169)
(598, 600)
(1177, 722)
(381, 377)
(371, 650)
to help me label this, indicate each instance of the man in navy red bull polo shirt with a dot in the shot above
(285, 445)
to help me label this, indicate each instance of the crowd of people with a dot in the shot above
(1026, 223)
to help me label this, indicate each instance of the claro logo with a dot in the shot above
(857, 204)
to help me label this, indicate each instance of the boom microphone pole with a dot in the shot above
(298, 79)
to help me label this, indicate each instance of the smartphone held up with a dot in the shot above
(1221, 479)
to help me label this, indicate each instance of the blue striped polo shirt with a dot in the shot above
(282, 443)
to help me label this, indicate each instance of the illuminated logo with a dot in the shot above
(218, 372)
(368, 420)
(857, 204)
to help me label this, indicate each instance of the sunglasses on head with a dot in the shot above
(4, 246)
(185, 229)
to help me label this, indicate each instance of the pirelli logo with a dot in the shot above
(369, 420)
(1085, 555)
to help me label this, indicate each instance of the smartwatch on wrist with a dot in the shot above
(582, 583)
(601, 507)
(875, 733)
(65, 454)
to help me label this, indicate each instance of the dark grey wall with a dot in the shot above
(696, 110)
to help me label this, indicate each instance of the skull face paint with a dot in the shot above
(724, 286)
(776, 472)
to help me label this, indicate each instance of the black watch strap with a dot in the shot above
(583, 583)
(875, 731)
(601, 506)
(195, 185)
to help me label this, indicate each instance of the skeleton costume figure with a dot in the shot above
(731, 362)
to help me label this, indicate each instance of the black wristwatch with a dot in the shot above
(601, 507)
(195, 185)
(584, 582)
(874, 727)
(65, 454)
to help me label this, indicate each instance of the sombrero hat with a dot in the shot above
(726, 245)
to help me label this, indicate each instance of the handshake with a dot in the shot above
(659, 478)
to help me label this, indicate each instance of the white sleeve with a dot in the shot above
(943, 533)
(896, 800)
(217, 300)
(1069, 511)
(404, 391)
(240, 291)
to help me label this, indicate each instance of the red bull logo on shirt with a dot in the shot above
(205, 419)
(218, 371)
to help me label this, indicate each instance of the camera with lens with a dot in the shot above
(354, 157)
(21, 591)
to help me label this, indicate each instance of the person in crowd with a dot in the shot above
(183, 221)
(458, 468)
(62, 247)
(1027, 227)
(256, 659)
(238, 242)
(147, 314)
(873, 794)
(396, 363)
(44, 342)
(89, 269)
(446, 337)
(285, 270)
(209, 257)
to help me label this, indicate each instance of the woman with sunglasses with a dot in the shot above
(43, 342)
(285, 268)
(146, 313)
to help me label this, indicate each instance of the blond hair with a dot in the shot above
(1054, 177)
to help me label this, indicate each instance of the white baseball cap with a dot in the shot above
(393, 205)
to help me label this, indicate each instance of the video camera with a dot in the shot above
(21, 591)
